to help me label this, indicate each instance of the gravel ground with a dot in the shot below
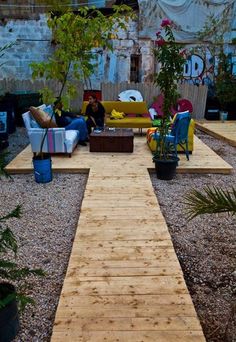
(45, 234)
(206, 247)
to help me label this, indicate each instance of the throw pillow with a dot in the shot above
(117, 115)
(42, 118)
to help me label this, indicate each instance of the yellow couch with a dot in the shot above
(152, 143)
(137, 115)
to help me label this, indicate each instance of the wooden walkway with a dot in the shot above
(124, 282)
(203, 160)
(225, 131)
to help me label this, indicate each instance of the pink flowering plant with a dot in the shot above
(170, 57)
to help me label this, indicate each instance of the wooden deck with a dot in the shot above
(124, 282)
(225, 131)
(203, 160)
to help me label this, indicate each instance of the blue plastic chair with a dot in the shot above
(179, 133)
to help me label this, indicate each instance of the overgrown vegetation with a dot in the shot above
(168, 54)
(79, 36)
(214, 37)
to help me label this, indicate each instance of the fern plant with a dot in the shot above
(10, 271)
(3, 163)
(210, 201)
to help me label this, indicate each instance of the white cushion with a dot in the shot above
(71, 135)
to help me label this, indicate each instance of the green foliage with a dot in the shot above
(211, 201)
(213, 35)
(9, 270)
(168, 54)
(3, 163)
(75, 36)
(225, 83)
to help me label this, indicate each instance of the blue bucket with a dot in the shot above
(42, 170)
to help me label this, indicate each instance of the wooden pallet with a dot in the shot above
(124, 281)
(203, 160)
(225, 131)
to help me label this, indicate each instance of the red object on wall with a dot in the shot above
(88, 93)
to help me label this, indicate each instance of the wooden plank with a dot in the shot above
(125, 311)
(171, 261)
(125, 243)
(122, 272)
(128, 301)
(124, 336)
(171, 323)
(122, 235)
(225, 131)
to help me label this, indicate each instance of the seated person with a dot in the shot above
(71, 121)
(96, 114)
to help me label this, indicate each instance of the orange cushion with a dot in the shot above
(42, 118)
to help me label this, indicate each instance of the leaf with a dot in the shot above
(5, 301)
(210, 201)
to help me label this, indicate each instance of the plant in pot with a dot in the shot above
(77, 35)
(225, 84)
(168, 54)
(213, 38)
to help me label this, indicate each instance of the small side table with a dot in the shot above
(117, 140)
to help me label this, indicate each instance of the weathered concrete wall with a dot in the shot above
(32, 43)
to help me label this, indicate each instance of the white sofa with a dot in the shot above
(58, 140)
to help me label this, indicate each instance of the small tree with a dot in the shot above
(213, 37)
(76, 34)
(168, 54)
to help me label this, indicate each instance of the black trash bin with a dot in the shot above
(212, 109)
(6, 105)
(22, 100)
(3, 130)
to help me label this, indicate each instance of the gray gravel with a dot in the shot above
(205, 246)
(45, 234)
(17, 142)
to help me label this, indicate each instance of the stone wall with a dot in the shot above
(32, 40)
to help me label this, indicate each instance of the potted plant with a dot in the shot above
(225, 84)
(168, 54)
(213, 38)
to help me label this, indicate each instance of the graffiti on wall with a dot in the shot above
(198, 70)
(201, 70)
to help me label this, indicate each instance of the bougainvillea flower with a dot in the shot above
(165, 22)
(160, 42)
(158, 33)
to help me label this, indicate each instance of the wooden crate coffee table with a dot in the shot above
(118, 140)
